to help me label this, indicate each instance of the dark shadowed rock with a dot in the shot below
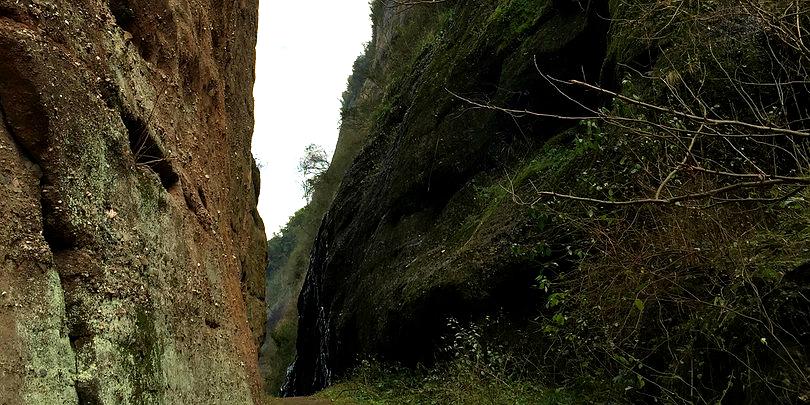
(390, 264)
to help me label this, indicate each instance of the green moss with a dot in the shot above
(282, 354)
(51, 362)
(514, 18)
(145, 352)
(151, 197)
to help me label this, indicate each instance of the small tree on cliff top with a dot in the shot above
(312, 166)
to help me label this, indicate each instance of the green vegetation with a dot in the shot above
(449, 384)
(472, 373)
(360, 72)
(664, 238)
(287, 254)
(288, 251)
(312, 166)
(281, 245)
(516, 18)
(663, 300)
(145, 353)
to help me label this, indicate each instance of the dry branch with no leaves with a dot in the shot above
(764, 146)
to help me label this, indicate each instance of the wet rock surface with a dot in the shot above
(394, 258)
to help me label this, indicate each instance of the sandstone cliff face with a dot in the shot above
(131, 252)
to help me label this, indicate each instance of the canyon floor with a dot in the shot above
(299, 401)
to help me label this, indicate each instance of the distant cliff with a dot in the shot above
(132, 252)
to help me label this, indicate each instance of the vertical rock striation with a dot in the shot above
(508, 206)
(131, 251)
(390, 263)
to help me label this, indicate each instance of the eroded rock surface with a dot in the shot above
(131, 252)
(397, 252)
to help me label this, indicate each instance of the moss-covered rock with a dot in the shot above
(445, 212)
(388, 266)
(131, 251)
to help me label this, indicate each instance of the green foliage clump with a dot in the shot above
(473, 373)
(313, 166)
(516, 17)
(360, 72)
(281, 245)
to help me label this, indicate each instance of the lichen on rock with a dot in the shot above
(115, 288)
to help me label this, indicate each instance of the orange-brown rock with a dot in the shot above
(131, 251)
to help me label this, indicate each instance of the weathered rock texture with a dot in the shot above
(441, 215)
(131, 252)
(390, 263)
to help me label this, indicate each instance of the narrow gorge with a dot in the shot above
(530, 202)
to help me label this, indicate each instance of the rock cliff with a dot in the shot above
(605, 195)
(389, 266)
(131, 251)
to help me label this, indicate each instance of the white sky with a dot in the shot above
(305, 54)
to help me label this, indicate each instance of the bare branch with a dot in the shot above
(712, 121)
(673, 200)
